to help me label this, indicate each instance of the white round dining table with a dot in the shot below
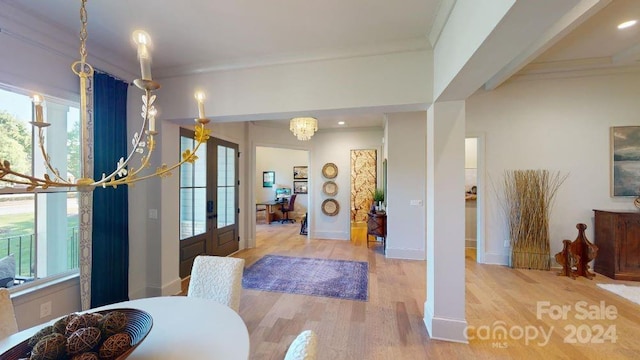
(184, 328)
(189, 328)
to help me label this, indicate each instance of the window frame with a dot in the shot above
(61, 276)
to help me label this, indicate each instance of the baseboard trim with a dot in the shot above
(453, 330)
(138, 294)
(496, 259)
(172, 288)
(406, 254)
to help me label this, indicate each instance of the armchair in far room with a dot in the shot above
(286, 209)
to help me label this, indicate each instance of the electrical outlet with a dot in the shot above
(506, 243)
(153, 213)
(45, 309)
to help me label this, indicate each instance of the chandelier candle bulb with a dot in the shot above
(37, 104)
(200, 98)
(152, 120)
(142, 39)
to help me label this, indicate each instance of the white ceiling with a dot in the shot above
(200, 35)
(596, 43)
(204, 35)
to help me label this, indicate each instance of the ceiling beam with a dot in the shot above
(580, 13)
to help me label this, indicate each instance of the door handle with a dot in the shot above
(210, 206)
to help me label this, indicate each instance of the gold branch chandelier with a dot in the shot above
(303, 127)
(143, 142)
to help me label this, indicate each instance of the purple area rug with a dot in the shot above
(309, 276)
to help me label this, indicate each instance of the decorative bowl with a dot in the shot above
(139, 324)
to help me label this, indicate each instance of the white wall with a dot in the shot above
(555, 124)
(258, 93)
(281, 161)
(335, 147)
(406, 182)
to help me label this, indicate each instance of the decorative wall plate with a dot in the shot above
(330, 188)
(330, 207)
(330, 170)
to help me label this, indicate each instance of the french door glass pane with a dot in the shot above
(230, 205)
(226, 186)
(222, 166)
(186, 213)
(231, 171)
(200, 167)
(222, 203)
(199, 210)
(186, 171)
(193, 192)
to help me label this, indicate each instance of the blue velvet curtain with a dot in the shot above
(110, 247)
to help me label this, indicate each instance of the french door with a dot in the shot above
(208, 200)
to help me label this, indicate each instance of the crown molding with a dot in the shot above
(36, 31)
(574, 69)
(402, 46)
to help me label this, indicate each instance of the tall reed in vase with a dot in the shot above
(528, 199)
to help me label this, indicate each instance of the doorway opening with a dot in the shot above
(474, 198)
(364, 178)
(282, 179)
(208, 201)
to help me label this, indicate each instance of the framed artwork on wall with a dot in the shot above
(299, 187)
(300, 172)
(625, 161)
(268, 178)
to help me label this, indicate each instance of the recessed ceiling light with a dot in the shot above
(340, 122)
(627, 24)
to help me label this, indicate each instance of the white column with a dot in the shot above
(444, 309)
(52, 207)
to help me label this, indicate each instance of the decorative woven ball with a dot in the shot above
(97, 316)
(60, 326)
(50, 347)
(83, 340)
(86, 356)
(113, 323)
(79, 322)
(47, 330)
(115, 345)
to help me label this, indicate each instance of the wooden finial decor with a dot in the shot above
(575, 256)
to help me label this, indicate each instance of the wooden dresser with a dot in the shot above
(617, 235)
(377, 227)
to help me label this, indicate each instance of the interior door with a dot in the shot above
(225, 197)
(208, 201)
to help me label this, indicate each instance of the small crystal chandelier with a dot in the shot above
(303, 127)
(143, 141)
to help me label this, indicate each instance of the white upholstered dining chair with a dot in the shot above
(303, 347)
(217, 278)
(8, 324)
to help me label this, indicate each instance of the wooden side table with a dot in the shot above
(377, 226)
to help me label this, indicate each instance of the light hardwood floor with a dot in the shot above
(390, 324)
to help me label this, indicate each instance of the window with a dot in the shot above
(38, 230)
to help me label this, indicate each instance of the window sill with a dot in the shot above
(44, 287)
